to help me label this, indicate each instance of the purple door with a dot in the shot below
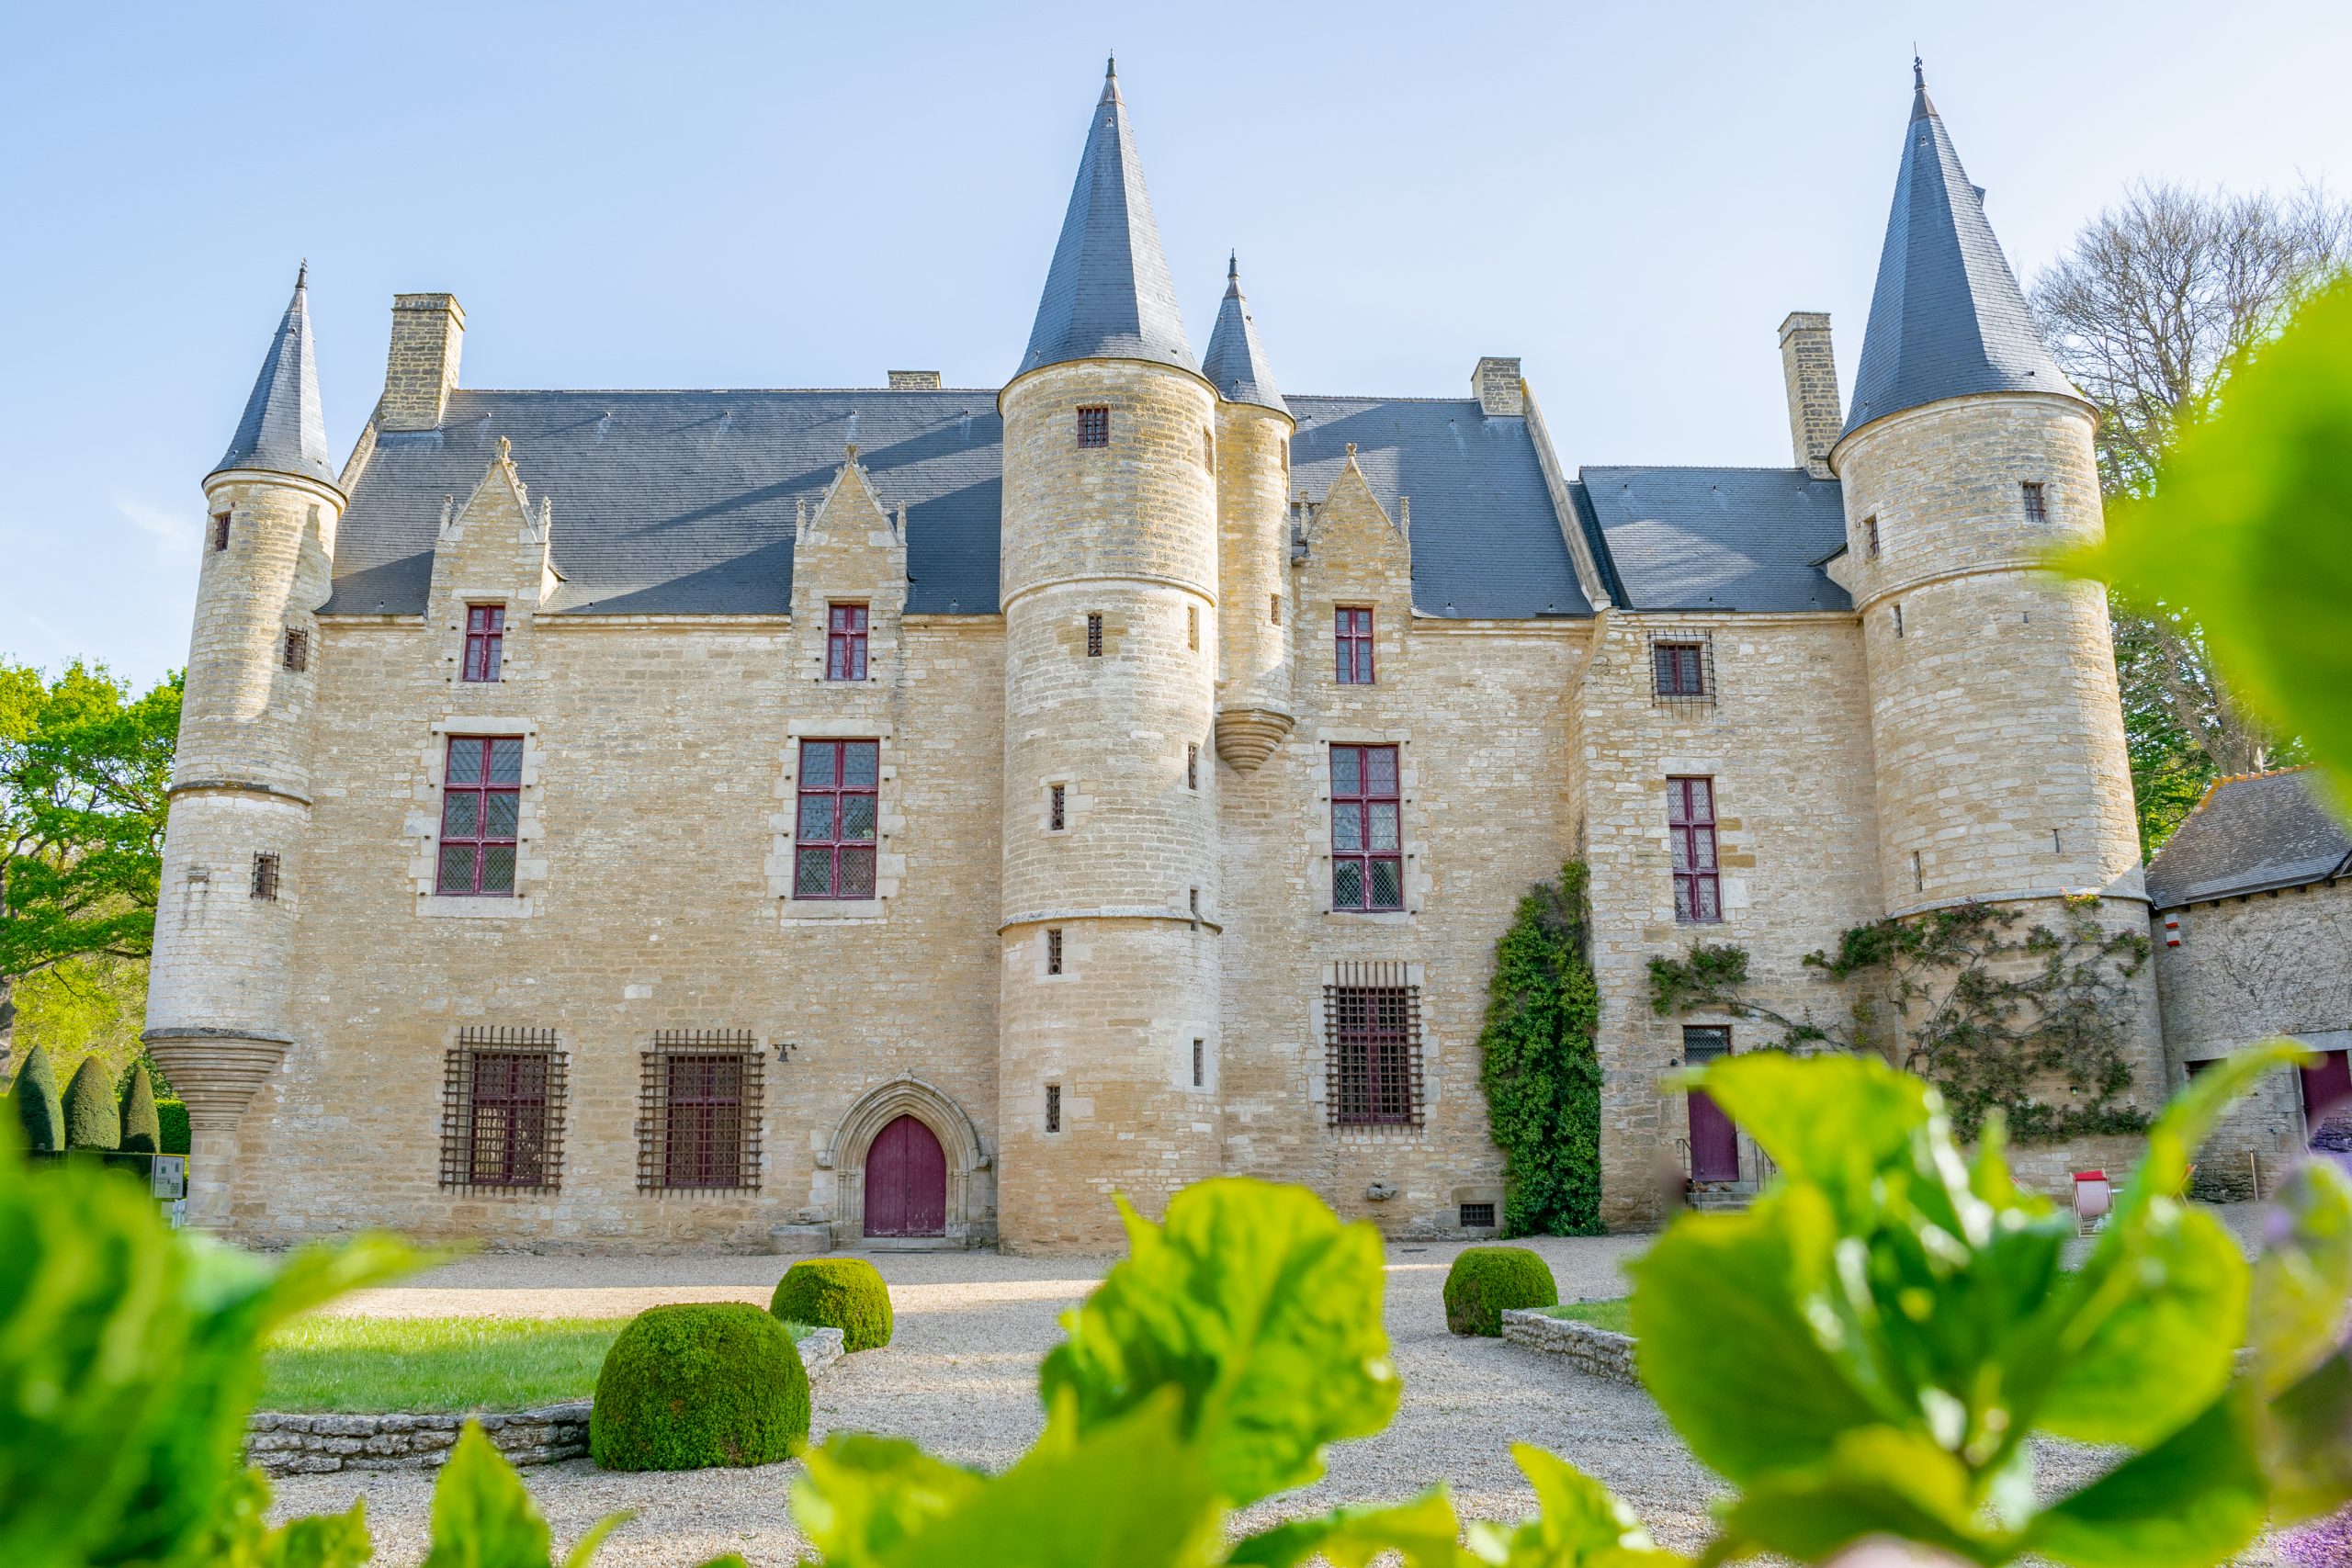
(1714, 1143)
(906, 1182)
(2327, 1088)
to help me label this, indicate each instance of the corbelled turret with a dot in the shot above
(1254, 712)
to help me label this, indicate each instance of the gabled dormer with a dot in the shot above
(493, 570)
(849, 585)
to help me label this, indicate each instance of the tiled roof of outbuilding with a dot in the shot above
(284, 430)
(2250, 834)
(1718, 538)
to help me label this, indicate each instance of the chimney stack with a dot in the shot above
(1811, 372)
(914, 381)
(1498, 384)
(427, 331)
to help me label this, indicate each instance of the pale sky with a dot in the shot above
(1627, 197)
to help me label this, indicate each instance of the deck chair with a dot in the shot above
(2093, 1199)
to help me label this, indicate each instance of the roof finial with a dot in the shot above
(1112, 70)
(302, 276)
(1233, 265)
(1918, 70)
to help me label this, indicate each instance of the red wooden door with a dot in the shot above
(2326, 1087)
(906, 1182)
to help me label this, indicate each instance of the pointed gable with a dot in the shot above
(284, 430)
(1236, 364)
(1108, 294)
(1947, 316)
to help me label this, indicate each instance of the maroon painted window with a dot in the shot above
(846, 643)
(485, 640)
(1353, 636)
(265, 875)
(298, 651)
(1094, 427)
(1053, 949)
(2037, 503)
(1691, 824)
(1053, 1108)
(839, 784)
(1375, 1076)
(220, 530)
(481, 801)
(1094, 634)
(1367, 857)
(1681, 668)
(699, 1114)
(502, 1117)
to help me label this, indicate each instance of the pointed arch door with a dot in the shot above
(906, 1181)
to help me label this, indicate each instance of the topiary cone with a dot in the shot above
(846, 1293)
(36, 1104)
(142, 1130)
(92, 1120)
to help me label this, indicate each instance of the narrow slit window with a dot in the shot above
(1194, 902)
(481, 802)
(1899, 618)
(840, 800)
(1870, 537)
(2037, 503)
(1192, 767)
(1056, 807)
(1352, 635)
(1918, 873)
(1367, 854)
(1094, 426)
(1193, 627)
(1053, 949)
(1200, 1064)
(1053, 1108)
(485, 640)
(845, 642)
(1274, 608)
(1094, 634)
(265, 875)
(220, 531)
(1691, 825)
(298, 651)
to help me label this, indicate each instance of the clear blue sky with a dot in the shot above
(720, 195)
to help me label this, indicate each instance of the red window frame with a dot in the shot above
(1681, 668)
(1691, 826)
(485, 641)
(506, 1125)
(481, 804)
(845, 627)
(1351, 645)
(1094, 426)
(836, 831)
(702, 1101)
(1373, 1027)
(1367, 833)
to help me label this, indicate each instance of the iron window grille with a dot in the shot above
(1477, 1216)
(2037, 503)
(1053, 949)
(481, 803)
(845, 627)
(298, 651)
(1691, 825)
(699, 1113)
(1682, 670)
(1870, 537)
(1094, 634)
(485, 640)
(1192, 767)
(1704, 1042)
(840, 796)
(1352, 638)
(1200, 1063)
(220, 531)
(1367, 854)
(502, 1110)
(1053, 1108)
(1056, 807)
(266, 874)
(1372, 1029)
(1094, 426)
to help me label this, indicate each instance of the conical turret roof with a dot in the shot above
(1947, 316)
(1236, 364)
(284, 430)
(1108, 295)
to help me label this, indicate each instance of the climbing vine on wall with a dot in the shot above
(2031, 1024)
(1542, 1075)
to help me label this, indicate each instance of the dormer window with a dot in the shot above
(845, 642)
(1094, 427)
(485, 640)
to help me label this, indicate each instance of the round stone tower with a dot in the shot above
(1109, 1000)
(1253, 432)
(240, 802)
(1997, 732)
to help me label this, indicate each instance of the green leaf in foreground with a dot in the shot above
(1581, 1524)
(2191, 1501)
(1876, 1481)
(240, 1537)
(1424, 1533)
(2303, 1277)
(1257, 1303)
(864, 1497)
(483, 1517)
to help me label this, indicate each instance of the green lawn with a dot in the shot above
(1616, 1316)
(414, 1364)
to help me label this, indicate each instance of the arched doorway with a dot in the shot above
(906, 1181)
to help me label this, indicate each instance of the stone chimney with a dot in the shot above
(914, 381)
(1498, 384)
(1811, 372)
(427, 331)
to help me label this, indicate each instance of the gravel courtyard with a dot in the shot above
(960, 1378)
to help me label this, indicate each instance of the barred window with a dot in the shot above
(1477, 1216)
(1352, 635)
(699, 1113)
(1056, 807)
(1192, 767)
(1680, 668)
(839, 794)
(1691, 824)
(1367, 859)
(298, 651)
(485, 640)
(1200, 1064)
(1371, 1022)
(1094, 427)
(845, 642)
(502, 1110)
(481, 797)
(2036, 503)
(266, 874)
(1094, 634)
(1053, 1108)
(220, 530)
(1870, 537)
(1053, 949)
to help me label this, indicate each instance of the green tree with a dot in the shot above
(38, 1107)
(85, 773)
(142, 1130)
(93, 1119)
(1541, 1075)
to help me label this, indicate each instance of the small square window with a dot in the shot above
(220, 530)
(485, 640)
(1870, 537)
(265, 875)
(1053, 1108)
(1053, 949)
(1094, 427)
(2037, 503)
(845, 627)
(1679, 667)
(1056, 807)
(1477, 1216)
(298, 651)
(1094, 634)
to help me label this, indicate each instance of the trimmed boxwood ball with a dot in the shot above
(697, 1385)
(1487, 1282)
(846, 1293)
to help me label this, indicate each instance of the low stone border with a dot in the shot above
(1595, 1350)
(315, 1445)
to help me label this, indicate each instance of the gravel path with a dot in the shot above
(960, 1378)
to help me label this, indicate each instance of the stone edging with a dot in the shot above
(317, 1445)
(1594, 1350)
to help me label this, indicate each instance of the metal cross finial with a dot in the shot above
(1112, 69)
(1233, 265)
(302, 276)
(1918, 70)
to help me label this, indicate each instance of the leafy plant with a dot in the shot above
(1540, 1072)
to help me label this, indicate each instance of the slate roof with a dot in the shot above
(1714, 538)
(1108, 294)
(284, 430)
(2250, 835)
(1236, 364)
(1947, 316)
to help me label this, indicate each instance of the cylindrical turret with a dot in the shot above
(1254, 711)
(231, 874)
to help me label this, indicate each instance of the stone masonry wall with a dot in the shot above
(1590, 1349)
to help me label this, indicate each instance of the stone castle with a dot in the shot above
(790, 818)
